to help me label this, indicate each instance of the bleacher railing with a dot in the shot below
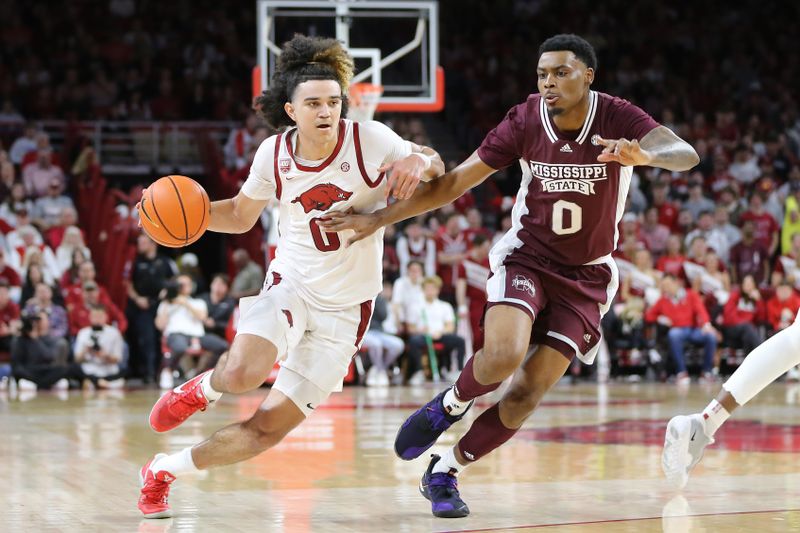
(144, 148)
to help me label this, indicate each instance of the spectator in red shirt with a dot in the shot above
(782, 307)
(672, 261)
(74, 295)
(475, 225)
(743, 310)
(55, 235)
(667, 211)
(6, 272)
(749, 257)
(767, 230)
(682, 311)
(91, 297)
(70, 278)
(473, 272)
(452, 248)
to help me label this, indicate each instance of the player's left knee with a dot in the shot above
(521, 402)
(266, 430)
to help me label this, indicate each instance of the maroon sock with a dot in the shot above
(468, 388)
(486, 434)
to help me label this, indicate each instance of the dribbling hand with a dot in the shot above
(622, 151)
(403, 176)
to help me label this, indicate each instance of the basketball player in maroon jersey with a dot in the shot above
(552, 274)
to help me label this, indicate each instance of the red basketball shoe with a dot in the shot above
(179, 404)
(155, 490)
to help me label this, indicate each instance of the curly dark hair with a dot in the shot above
(303, 59)
(573, 43)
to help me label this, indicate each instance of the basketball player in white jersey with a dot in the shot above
(688, 436)
(317, 298)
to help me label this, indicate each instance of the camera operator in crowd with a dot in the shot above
(99, 349)
(37, 364)
(180, 317)
(220, 305)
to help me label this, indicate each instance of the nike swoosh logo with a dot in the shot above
(309, 405)
(693, 434)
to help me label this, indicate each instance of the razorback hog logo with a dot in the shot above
(321, 197)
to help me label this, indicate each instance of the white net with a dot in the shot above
(364, 99)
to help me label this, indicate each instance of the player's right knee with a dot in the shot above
(238, 379)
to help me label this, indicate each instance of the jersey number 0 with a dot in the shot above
(576, 218)
(332, 237)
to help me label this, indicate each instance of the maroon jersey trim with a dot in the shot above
(278, 185)
(360, 160)
(325, 163)
(366, 314)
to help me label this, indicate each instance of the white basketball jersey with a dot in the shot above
(329, 275)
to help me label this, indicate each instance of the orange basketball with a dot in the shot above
(174, 211)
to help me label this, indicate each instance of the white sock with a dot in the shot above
(765, 364)
(447, 464)
(452, 404)
(208, 390)
(176, 464)
(714, 416)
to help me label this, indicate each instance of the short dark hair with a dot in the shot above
(573, 43)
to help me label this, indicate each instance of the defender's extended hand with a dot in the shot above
(363, 225)
(623, 151)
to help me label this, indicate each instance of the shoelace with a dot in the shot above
(193, 399)
(446, 481)
(156, 490)
(438, 419)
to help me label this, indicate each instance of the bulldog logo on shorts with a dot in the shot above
(521, 283)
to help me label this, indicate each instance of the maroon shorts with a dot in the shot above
(566, 303)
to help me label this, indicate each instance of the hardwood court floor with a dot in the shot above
(587, 461)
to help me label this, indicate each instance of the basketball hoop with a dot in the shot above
(364, 99)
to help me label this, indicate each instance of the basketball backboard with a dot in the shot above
(394, 44)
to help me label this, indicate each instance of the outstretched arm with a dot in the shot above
(659, 148)
(427, 197)
(235, 215)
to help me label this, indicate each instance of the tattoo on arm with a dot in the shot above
(668, 150)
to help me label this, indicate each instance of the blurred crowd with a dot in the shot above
(709, 259)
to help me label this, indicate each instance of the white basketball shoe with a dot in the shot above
(684, 444)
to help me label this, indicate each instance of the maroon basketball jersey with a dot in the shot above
(569, 204)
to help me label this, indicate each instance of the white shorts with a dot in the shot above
(305, 395)
(314, 343)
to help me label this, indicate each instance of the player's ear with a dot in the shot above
(289, 108)
(589, 75)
